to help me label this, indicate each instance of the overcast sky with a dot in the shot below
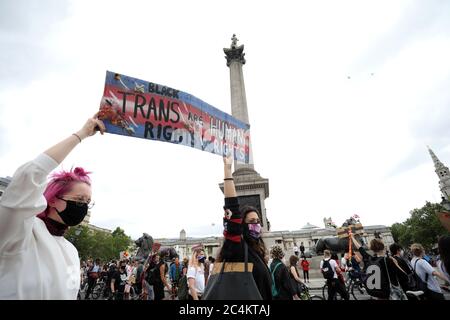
(343, 97)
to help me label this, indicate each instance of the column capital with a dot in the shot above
(234, 52)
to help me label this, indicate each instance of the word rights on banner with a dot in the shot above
(141, 109)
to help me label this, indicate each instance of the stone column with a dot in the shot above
(251, 188)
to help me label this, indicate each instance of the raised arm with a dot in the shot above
(355, 242)
(23, 199)
(60, 151)
(232, 249)
(229, 189)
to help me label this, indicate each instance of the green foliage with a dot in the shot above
(98, 244)
(423, 226)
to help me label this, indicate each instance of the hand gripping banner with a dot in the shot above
(141, 109)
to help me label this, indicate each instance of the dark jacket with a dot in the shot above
(403, 276)
(233, 249)
(282, 281)
(385, 276)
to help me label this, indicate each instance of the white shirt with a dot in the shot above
(422, 269)
(199, 275)
(33, 263)
(333, 265)
(295, 249)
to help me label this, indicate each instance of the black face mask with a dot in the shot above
(74, 212)
(201, 260)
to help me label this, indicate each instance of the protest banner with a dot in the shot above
(142, 109)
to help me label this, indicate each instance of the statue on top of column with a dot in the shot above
(234, 41)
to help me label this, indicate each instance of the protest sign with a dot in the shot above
(142, 109)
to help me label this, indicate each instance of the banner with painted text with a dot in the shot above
(141, 109)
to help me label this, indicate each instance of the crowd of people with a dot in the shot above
(388, 273)
(36, 212)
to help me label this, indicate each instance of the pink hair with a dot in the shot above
(62, 182)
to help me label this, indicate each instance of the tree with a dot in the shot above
(423, 226)
(95, 244)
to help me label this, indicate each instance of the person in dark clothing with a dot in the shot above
(139, 273)
(112, 268)
(403, 267)
(280, 277)
(377, 246)
(118, 282)
(160, 277)
(302, 250)
(331, 271)
(243, 224)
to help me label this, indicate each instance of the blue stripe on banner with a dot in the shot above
(129, 83)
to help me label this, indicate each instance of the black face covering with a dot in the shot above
(74, 212)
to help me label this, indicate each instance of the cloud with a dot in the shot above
(24, 28)
(417, 21)
(429, 125)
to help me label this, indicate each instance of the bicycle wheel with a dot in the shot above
(315, 297)
(325, 292)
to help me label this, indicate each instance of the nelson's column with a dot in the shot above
(251, 188)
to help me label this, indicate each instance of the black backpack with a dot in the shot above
(374, 279)
(415, 283)
(183, 288)
(327, 271)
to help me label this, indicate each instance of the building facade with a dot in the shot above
(308, 235)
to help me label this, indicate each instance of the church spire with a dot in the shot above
(443, 174)
(437, 163)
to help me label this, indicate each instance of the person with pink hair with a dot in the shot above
(36, 261)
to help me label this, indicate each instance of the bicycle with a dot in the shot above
(306, 295)
(355, 284)
(338, 296)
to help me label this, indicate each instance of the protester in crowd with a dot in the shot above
(294, 276)
(243, 224)
(112, 269)
(341, 271)
(403, 268)
(196, 274)
(302, 250)
(149, 277)
(34, 216)
(185, 266)
(175, 275)
(131, 278)
(93, 275)
(139, 275)
(426, 272)
(443, 264)
(330, 270)
(305, 268)
(295, 249)
(382, 262)
(282, 288)
(160, 277)
(206, 265)
(211, 265)
(119, 281)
